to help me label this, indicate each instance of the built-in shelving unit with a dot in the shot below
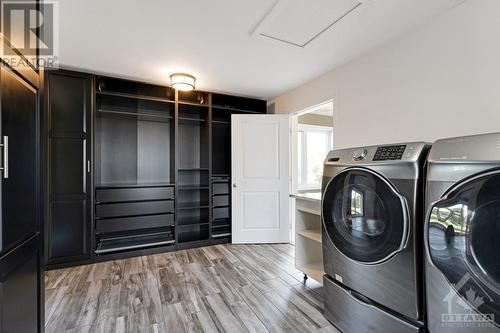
(308, 237)
(151, 139)
(156, 165)
(193, 169)
(134, 166)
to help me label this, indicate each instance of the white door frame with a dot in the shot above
(294, 121)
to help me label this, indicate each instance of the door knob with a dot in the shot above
(234, 185)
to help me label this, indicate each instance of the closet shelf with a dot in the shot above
(225, 221)
(190, 223)
(227, 108)
(133, 114)
(142, 97)
(124, 185)
(225, 234)
(130, 242)
(222, 122)
(192, 205)
(221, 206)
(220, 181)
(193, 104)
(220, 226)
(193, 187)
(196, 120)
(314, 234)
(193, 169)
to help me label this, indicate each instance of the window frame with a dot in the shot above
(302, 162)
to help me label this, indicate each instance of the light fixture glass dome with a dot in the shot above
(182, 81)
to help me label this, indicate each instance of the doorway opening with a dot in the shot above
(311, 139)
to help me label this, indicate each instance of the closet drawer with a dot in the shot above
(220, 188)
(134, 208)
(220, 200)
(134, 194)
(220, 213)
(134, 223)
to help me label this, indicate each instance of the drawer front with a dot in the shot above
(220, 200)
(220, 213)
(351, 314)
(134, 223)
(134, 208)
(222, 188)
(134, 194)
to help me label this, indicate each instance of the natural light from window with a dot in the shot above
(314, 143)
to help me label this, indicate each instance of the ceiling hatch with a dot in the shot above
(300, 22)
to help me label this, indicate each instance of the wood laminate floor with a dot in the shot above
(222, 288)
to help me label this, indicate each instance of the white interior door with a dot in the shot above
(260, 178)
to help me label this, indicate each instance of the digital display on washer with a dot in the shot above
(389, 153)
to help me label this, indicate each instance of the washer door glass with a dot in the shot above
(364, 216)
(464, 241)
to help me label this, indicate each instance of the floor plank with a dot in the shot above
(265, 310)
(221, 288)
(223, 314)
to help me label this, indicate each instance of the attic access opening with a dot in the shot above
(298, 23)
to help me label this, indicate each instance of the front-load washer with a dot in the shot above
(373, 237)
(462, 235)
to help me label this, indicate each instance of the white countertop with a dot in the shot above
(310, 196)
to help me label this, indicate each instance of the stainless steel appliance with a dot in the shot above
(372, 237)
(462, 235)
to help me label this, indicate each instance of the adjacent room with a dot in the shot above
(326, 166)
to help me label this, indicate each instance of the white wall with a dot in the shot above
(439, 81)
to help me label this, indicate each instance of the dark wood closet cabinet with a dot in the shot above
(136, 168)
(21, 263)
(69, 100)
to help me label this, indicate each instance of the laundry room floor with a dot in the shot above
(222, 288)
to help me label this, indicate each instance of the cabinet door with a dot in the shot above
(20, 288)
(18, 136)
(69, 138)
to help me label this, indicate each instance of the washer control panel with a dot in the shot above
(389, 153)
(359, 154)
(409, 152)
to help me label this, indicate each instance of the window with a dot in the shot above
(314, 143)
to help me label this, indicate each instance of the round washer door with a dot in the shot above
(364, 216)
(464, 241)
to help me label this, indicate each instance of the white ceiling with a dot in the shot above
(221, 41)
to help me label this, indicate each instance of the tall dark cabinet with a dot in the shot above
(152, 164)
(69, 152)
(21, 284)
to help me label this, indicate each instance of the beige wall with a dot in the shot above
(441, 80)
(315, 119)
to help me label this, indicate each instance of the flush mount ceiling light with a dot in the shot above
(182, 81)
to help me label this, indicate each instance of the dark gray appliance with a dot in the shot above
(372, 237)
(462, 235)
